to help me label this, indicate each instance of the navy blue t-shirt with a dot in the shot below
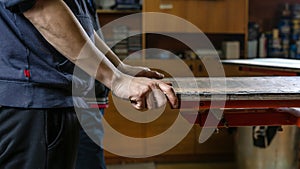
(33, 73)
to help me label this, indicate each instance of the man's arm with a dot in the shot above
(137, 71)
(54, 20)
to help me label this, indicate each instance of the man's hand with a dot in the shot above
(144, 93)
(139, 71)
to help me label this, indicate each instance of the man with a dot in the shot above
(41, 40)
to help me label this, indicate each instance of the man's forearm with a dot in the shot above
(102, 46)
(60, 28)
(121, 66)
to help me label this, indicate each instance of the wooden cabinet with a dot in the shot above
(211, 16)
(220, 20)
(218, 17)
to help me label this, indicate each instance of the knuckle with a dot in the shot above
(169, 89)
(143, 90)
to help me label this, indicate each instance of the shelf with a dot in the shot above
(108, 11)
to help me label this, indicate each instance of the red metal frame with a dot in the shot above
(196, 105)
(98, 106)
(248, 117)
(244, 112)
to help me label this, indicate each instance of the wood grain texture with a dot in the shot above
(218, 16)
(238, 88)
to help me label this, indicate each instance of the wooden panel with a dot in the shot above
(219, 143)
(163, 123)
(118, 122)
(187, 150)
(108, 19)
(235, 70)
(218, 16)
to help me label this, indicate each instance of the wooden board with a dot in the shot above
(239, 92)
(249, 88)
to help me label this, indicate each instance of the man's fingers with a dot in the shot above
(169, 83)
(155, 98)
(157, 75)
(170, 93)
(147, 93)
(150, 74)
(138, 104)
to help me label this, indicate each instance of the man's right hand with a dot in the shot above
(144, 93)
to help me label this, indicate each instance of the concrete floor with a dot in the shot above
(174, 166)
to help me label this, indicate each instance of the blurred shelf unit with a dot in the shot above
(276, 28)
(121, 33)
(219, 20)
(107, 15)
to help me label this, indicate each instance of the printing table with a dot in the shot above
(283, 152)
(246, 101)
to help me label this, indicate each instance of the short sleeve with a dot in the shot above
(18, 6)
